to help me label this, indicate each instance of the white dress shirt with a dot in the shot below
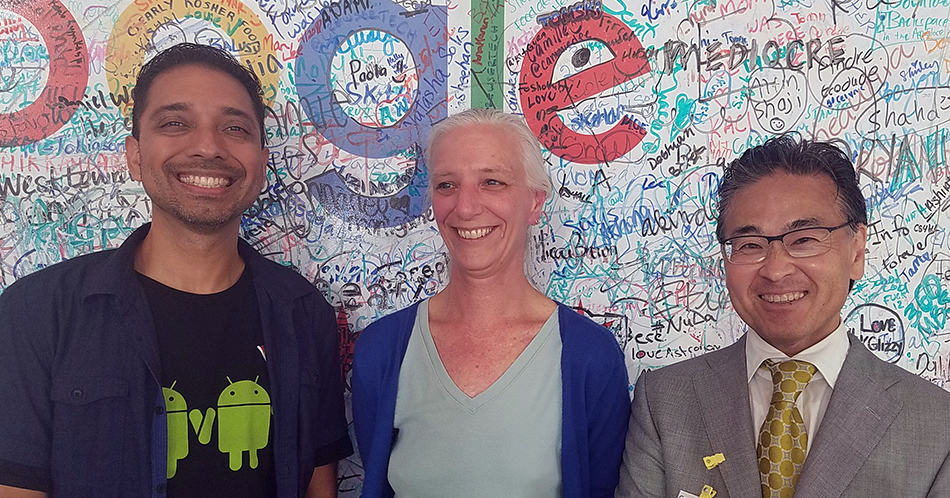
(827, 355)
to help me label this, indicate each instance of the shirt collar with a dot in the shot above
(827, 355)
(117, 275)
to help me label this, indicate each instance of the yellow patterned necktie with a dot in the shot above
(782, 438)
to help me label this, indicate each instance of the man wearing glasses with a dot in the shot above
(797, 406)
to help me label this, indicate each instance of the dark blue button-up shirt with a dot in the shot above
(81, 408)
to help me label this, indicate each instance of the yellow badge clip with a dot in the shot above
(713, 460)
(708, 491)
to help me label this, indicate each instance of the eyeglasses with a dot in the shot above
(799, 243)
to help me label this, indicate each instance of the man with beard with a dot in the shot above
(183, 363)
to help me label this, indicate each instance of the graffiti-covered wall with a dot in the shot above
(638, 104)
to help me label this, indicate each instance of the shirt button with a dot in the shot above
(76, 394)
(159, 410)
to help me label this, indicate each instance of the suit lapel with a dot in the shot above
(861, 408)
(724, 400)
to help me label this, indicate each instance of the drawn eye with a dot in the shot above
(588, 115)
(581, 56)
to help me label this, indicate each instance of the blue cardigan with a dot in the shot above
(595, 408)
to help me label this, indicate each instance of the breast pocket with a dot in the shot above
(89, 426)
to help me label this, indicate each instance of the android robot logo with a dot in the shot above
(243, 421)
(243, 415)
(177, 408)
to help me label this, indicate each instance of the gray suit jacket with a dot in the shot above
(885, 433)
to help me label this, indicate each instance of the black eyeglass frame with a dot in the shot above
(771, 238)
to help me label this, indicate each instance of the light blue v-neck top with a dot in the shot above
(503, 442)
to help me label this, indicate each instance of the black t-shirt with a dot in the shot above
(214, 378)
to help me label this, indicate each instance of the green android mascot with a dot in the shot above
(243, 421)
(177, 409)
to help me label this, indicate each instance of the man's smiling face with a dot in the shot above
(199, 153)
(792, 303)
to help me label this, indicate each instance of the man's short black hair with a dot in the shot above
(804, 157)
(184, 54)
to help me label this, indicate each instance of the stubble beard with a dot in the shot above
(200, 222)
(203, 220)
